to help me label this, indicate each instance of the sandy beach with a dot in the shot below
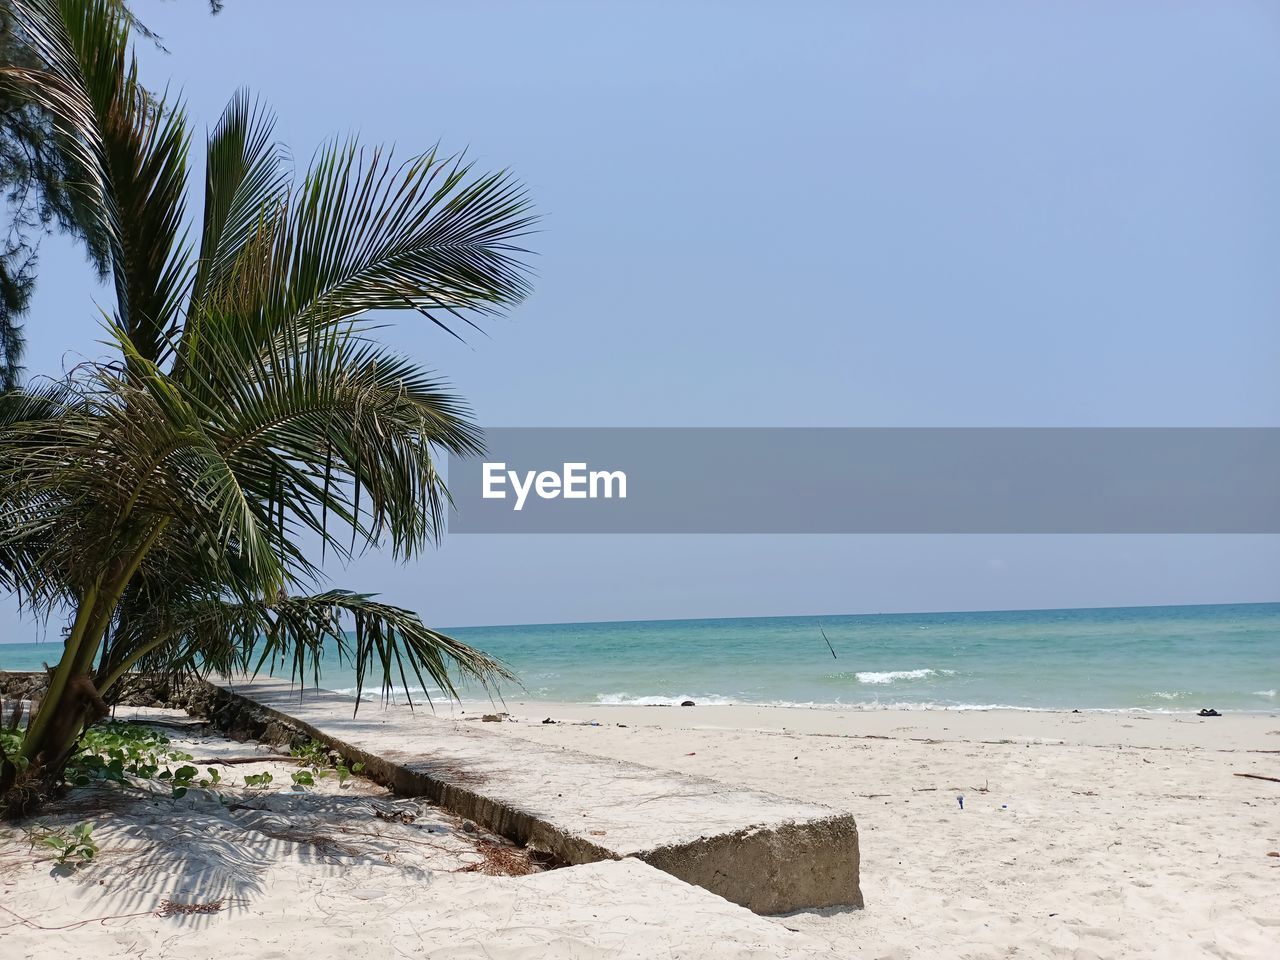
(1081, 835)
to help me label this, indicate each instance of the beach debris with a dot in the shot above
(395, 816)
(500, 859)
(623, 725)
(985, 788)
(1208, 712)
(694, 754)
(468, 826)
(829, 646)
(172, 908)
(960, 800)
(1273, 853)
(549, 720)
(1258, 776)
(688, 703)
(493, 717)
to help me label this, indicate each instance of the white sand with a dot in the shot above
(1082, 835)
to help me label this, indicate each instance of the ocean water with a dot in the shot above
(1149, 658)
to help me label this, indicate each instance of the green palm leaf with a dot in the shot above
(363, 233)
(246, 187)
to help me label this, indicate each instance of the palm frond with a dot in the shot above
(363, 233)
(130, 452)
(386, 645)
(331, 428)
(246, 183)
(38, 402)
(127, 151)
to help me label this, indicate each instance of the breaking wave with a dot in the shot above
(374, 691)
(891, 676)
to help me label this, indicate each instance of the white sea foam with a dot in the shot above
(1264, 693)
(1169, 694)
(374, 691)
(626, 699)
(889, 676)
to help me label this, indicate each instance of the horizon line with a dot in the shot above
(811, 616)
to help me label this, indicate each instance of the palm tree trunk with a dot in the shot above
(71, 701)
(33, 742)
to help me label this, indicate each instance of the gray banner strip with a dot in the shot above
(867, 480)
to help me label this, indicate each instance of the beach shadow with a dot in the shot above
(208, 854)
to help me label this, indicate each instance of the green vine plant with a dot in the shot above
(344, 772)
(112, 751)
(312, 754)
(72, 848)
(10, 742)
(322, 762)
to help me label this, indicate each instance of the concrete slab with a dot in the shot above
(765, 852)
(636, 913)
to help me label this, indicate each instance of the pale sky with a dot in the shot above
(824, 214)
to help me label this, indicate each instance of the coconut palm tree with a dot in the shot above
(171, 500)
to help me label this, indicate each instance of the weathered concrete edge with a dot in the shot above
(774, 869)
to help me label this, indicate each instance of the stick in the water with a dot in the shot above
(829, 646)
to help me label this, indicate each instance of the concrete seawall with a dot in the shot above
(765, 852)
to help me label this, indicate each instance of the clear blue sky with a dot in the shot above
(848, 214)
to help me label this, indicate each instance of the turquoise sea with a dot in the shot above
(1150, 658)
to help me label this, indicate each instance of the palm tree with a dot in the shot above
(165, 499)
